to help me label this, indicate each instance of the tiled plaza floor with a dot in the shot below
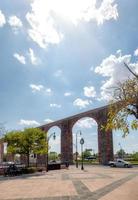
(94, 183)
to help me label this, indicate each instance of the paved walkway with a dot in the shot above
(94, 183)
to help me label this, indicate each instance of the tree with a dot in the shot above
(86, 154)
(53, 155)
(124, 105)
(121, 153)
(26, 142)
(134, 74)
(2, 129)
(135, 156)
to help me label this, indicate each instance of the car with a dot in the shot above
(90, 158)
(120, 163)
(8, 163)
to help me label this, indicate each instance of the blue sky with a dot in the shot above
(59, 58)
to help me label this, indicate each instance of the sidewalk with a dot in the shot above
(94, 183)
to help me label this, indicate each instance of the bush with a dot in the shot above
(29, 170)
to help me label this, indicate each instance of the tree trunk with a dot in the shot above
(28, 161)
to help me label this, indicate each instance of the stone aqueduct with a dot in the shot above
(105, 141)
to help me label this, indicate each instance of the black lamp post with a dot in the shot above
(47, 141)
(82, 142)
(77, 147)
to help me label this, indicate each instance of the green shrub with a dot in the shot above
(29, 170)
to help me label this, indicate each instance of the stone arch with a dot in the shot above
(57, 142)
(74, 121)
(88, 127)
(105, 143)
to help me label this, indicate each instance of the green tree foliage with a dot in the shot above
(86, 153)
(124, 105)
(135, 156)
(53, 155)
(121, 153)
(28, 141)
(2, 129)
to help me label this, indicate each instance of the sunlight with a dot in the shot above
(72, 10)
(45, 17)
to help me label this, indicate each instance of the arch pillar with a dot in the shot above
(66, 142)
(1, 151)
(105, 144)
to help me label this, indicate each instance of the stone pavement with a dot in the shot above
(94, 183)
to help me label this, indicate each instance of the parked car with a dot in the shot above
(52, 161)
(120, 163)
(90, 158)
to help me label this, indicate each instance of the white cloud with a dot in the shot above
(2, 19)
(66, 94)
(43, 17)
(86, 123)
(89, 91)
(47, 121)
(81, 103)
(36, 88)
(34, 60)
(114, 70)
(40, 88)
(136, 52)
(107, 11)
(43, 30)
(48, 91)
(119, 52)
(54, 105)
(28, 122)
(20, 58)
(15, 22)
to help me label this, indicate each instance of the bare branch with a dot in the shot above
(131, 70)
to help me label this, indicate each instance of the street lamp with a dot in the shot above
(121, 150)
(77, 147)
(82, 142)
(47, 141)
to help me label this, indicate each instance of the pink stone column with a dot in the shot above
(105, 145)
(1, 151)
(66, 142)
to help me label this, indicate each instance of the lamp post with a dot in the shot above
(47, 141)
(77, 147)
(121, 150)
(82, 142)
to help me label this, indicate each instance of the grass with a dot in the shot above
(134, 162)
